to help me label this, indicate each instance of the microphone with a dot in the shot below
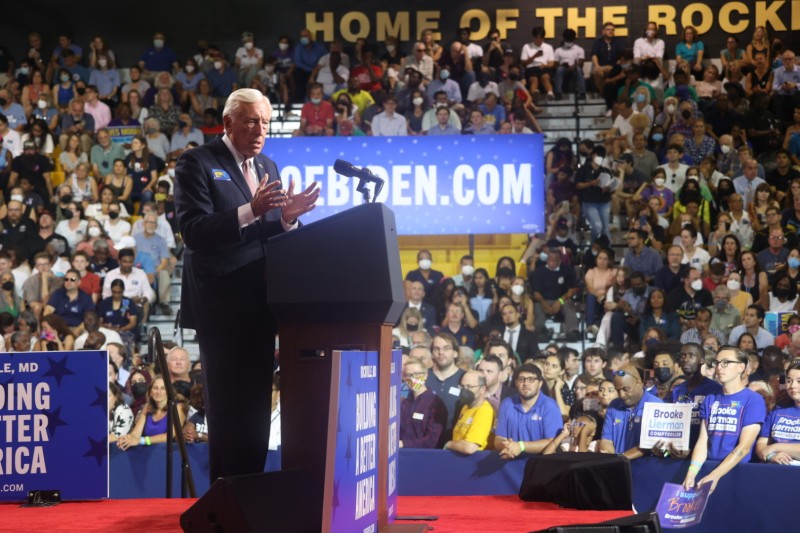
(347, 169)
(363, 174)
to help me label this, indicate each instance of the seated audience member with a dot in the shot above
(151, 428)
(725, 316)
(779, 440)
(90, 282)
(55, 335)
(528, 421)
(178, 365)
(196, 427)
(316, 116)
(522, 341)
(623, 422)
(137, 285)
(694, 389)
(582, 429)
(554, 385)
(426, 275)
(730, 420)
(389, 122)
(455, 325)
(444, 377)
(493, 370)
(91, 324)
(553, 286)
(120, 416)
(423, 415)
(702, 328)
(656, 315)
(69, 302)
(476, 418)
(752, 323)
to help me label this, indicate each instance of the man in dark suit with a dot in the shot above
(416, 294)
(229, 201)
(520, 339)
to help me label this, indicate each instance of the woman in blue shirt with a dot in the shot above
(779, 441)
(691, 50)
(731, 421)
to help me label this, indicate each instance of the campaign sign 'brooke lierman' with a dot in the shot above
(667, 423)
(679, 508)
(54, 424)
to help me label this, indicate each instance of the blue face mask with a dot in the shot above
(640, 97)
(794, 262)
(304, 40)
(543, 256)
(658, 137)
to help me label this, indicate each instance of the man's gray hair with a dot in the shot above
(247, 96)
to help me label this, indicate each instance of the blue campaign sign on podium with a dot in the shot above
(54, 424)
(435, 185)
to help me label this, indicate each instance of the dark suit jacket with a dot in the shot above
(527, 347)
(224, 266)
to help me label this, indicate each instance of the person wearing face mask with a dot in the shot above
(222, 77)
(783, 296)
(306, 57)
(648, 46)
(105, 78)
(725, 316)
(10, 301)
(187, 79)
(249, 59)
(423, 415)
(410, 322)
(476, 418)
(593, 182)
(72, 227)
(464, 277)
(689, 297)
(185, 134)
(569, 59)
(429, 277)
(136, 388)
(158, 58)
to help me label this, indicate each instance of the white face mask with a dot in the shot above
(390, 48)
(283, 46)
(660, 182)
(724, 148)
(517, 289)
(424, 264)
(697, 285)
(418, 101)
(598, 161)
(248, 45)
(189, 68)
(651, 34)
(102, 63)
(158, 43)
(733, 285)
(94, 231)
(217, 65)
(171, 172)
(467, 270)
(670, 109)
(42, 104)
(17, 198)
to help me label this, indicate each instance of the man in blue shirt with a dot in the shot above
(69, 302)
(526, 422)
(623, 423)
(306, 56)
(641, 257)
(693, 390)
(158, 58)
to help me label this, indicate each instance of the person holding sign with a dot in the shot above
(779, 441)
(622, 426)
(730, 421)
(696, 387)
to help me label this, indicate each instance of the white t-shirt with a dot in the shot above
(569, 55)
(642, 47)
(246, 60)
(699, 258)
(675, 178)
(476, 92)
(529, 50)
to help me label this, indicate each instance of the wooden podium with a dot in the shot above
(334, 285)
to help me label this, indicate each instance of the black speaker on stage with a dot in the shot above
(639, 523)
(269, 502)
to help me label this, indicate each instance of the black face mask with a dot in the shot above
(80, 90)
(8, 285)
(466, 397)
(67, 213)
(513, 76)
(639, 291)
(412, 327)
(139, 389)
(67, 198)
(686, 114)
(663, 374)
(113, 215)
(3, 102)
(779, 293)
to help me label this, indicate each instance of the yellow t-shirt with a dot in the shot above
(475, 424)
(741, 301)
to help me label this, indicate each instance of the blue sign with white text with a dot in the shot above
(394, 434)
(435, 185)
(54, 424)
(355, 478)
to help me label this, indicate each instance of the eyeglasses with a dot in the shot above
(724, 363)
(531, 379)
(71, 279)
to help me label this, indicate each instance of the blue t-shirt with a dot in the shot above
(726, 415)
(542, 421)
(689, 54)
(70, 311)
(681, 394)
(154, 246)
(145, 262)
(623, 425)
(159, 60)
(782, 425)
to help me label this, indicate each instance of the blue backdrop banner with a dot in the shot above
(435, 185)
(54, 424)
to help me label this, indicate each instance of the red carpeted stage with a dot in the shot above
(485, 514)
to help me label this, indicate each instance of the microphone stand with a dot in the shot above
(155, 349)
(364, 190)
